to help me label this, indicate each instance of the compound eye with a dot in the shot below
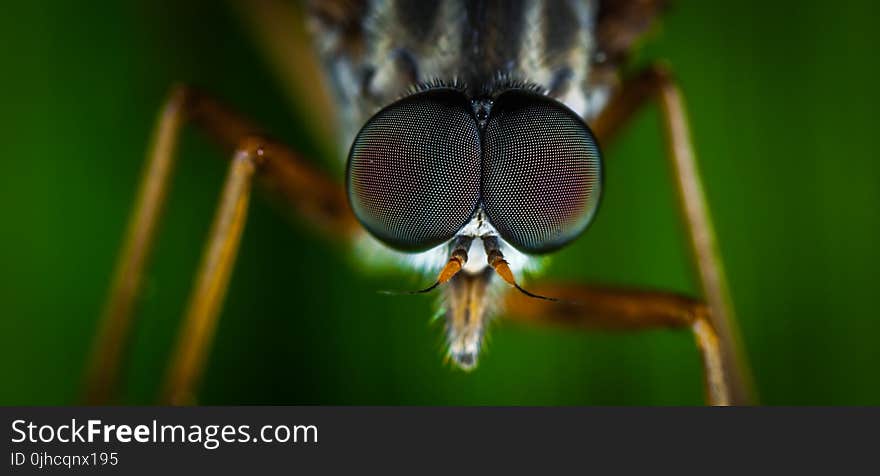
(542, 172)
(414, 170)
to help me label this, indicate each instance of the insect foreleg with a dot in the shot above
(608, 308)
(284, 172)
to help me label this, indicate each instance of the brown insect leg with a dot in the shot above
(305, 189)
(115, 325)
(606, 308)
(656, 82)
(212, 280)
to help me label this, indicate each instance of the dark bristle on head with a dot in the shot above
(504, 82)
(499, 84)
(436, 83)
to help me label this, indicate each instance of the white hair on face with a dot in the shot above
(378, 256)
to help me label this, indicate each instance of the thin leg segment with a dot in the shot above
(211, 282)
(657, 83)
(303, 188)
(607, 308)
(108, 352)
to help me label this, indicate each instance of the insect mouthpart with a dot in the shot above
(466, 317)
(469, 293)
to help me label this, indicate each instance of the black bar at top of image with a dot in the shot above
(414, 440)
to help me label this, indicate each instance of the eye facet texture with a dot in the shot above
(414, 170)
(542, 172)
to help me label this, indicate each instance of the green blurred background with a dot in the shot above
(783, 101)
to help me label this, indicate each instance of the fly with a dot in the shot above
(470, 133)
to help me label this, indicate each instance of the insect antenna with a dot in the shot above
(502, 268)
(453, 266)
(457, 259)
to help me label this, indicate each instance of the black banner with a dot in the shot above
(240, 440)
